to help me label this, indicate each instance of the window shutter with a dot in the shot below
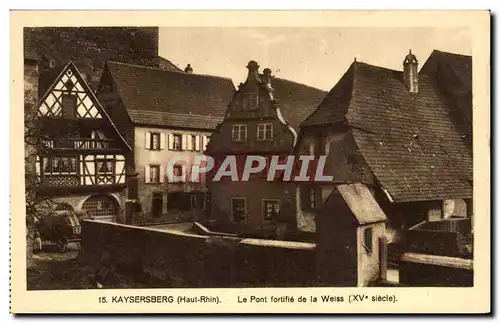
(206, 139)
(146, 174)
(190, 143)
(162, 140)
(197, 143)
(184, 142)
(162, 174)
(148, 140)
(170, 141)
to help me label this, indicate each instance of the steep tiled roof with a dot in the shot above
(358, 199)
(296, 101)
(335, 104)
(157, 97)
(452, 74)
(183, 120)
(408, 140)
(158, 62)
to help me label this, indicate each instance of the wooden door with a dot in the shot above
(157, 205)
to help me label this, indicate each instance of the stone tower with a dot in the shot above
(90, 47)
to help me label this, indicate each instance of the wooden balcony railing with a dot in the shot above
(78, 143)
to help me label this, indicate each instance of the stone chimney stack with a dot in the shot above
(188, 69)
(266, 76)
(253, 70)
(410, 72)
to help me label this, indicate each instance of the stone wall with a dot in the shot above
(426, 275)
(177, 259)
(255, 192)
(90, 47)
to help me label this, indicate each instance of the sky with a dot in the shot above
(316, 56)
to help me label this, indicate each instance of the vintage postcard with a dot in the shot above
(250, 162)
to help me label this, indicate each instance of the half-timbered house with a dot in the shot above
(81, 156)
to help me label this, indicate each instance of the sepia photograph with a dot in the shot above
(235, 157)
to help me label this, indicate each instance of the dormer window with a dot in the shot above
(250, 101)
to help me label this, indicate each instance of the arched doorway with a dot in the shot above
(100, 206)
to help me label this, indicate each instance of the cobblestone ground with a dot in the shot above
(52, 270)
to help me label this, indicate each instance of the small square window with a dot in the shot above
(239, 132)
(251, 101)
(271, 210)
(265, 131)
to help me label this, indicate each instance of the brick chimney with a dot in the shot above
(410, 72)
(188, 69)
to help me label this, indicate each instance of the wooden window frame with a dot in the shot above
(263, 128)
(155, 166)
(239, 129)
(151, 141)
(50, 160)
(264, 209)
(192, 138)
(251, 101)
(174, 135)
(97, 173)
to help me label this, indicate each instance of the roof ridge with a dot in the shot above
(450, 53)
(377, 66)
(166, 71)
(301, 84)
(176, 113)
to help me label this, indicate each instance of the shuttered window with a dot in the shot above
(154, 141)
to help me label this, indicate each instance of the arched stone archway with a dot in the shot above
(101, 205)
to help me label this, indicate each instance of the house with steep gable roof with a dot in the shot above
(262, 119)
(164, 115)
(81, 157)
(394, 131)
